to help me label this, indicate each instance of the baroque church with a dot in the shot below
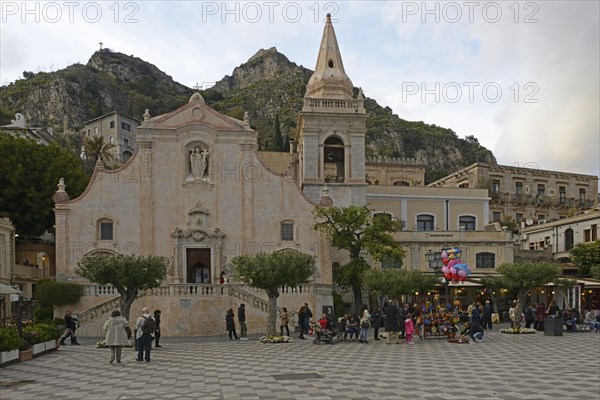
(198, 192)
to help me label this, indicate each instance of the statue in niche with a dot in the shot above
(203, 162)
(198, 162)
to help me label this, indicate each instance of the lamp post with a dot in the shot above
(435, 263)
(433, 259)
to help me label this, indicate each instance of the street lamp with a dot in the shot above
(433, 259)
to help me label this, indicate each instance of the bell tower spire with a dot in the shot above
(331, 131)
(329, 79)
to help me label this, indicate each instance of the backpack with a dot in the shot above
(149, 326)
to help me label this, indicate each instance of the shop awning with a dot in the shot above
(5, 289)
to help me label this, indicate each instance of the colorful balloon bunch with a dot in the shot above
(454, 270)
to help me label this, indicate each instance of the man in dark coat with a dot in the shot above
(301, 319)
(376, 322)
(487, 315)
(392, 327)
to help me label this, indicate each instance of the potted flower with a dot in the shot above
(47, 335)
(9, 344)
(28, 339)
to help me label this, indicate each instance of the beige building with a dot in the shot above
(199, 193)
(562, 235)
(115, 128)
(527, 194)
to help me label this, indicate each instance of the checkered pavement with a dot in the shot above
(501, 367)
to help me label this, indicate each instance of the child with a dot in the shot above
(409, 328)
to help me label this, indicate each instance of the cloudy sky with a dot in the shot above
(522, 77)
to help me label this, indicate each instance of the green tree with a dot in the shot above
(128, 274)
(96, 147)
(29, 173)
(522, 278)
(353, 229)
(272, 271)
(397, 282)
(277, 137)
(52, 293)
(586, 256)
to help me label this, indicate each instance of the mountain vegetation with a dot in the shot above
(268, 86)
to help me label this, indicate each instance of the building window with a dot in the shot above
(518, 188)
(111, 139)
(562, 194)
(569, 239)
(594, 229)
(485, 260)
(105, 229)
(464, 185)
(424, 222)
(112, 124)
(518, 217)
(582, 197)
(587, 235)
(541, 189)
(287, 231)
(125, 126)
(497, 216)
(466, 223)
(496, 186)
(382, 215)
(125, 141)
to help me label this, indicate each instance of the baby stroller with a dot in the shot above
(323, 335)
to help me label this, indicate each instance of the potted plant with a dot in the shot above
(28, 339)
(9, 344)
(40, 337)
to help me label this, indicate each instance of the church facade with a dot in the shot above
(198, 192)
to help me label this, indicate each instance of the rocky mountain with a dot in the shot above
(268, 86)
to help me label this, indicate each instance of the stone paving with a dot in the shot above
(502, 367)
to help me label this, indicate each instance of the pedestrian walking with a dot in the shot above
(376, 322)
(242, 320)
(230, 324)
(488, 310)
(145, 327)
(285, 320)
(157, 335)
(409, 328)
(116, 335)
(365, 322)
(301, 319)
(392, 327)
(70, 330)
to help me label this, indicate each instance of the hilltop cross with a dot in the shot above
(197, 86)
(100, 45)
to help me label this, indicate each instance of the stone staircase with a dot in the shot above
(92, 319)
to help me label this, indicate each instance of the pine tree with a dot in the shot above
(277, 138)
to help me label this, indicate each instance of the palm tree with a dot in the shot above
(95, 146)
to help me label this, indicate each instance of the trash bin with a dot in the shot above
(553, 326)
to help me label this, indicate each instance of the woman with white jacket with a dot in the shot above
(116, 335)
(365, 321)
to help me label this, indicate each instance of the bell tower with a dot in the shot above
(331, 130)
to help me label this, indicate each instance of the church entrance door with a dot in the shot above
(198, 266)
